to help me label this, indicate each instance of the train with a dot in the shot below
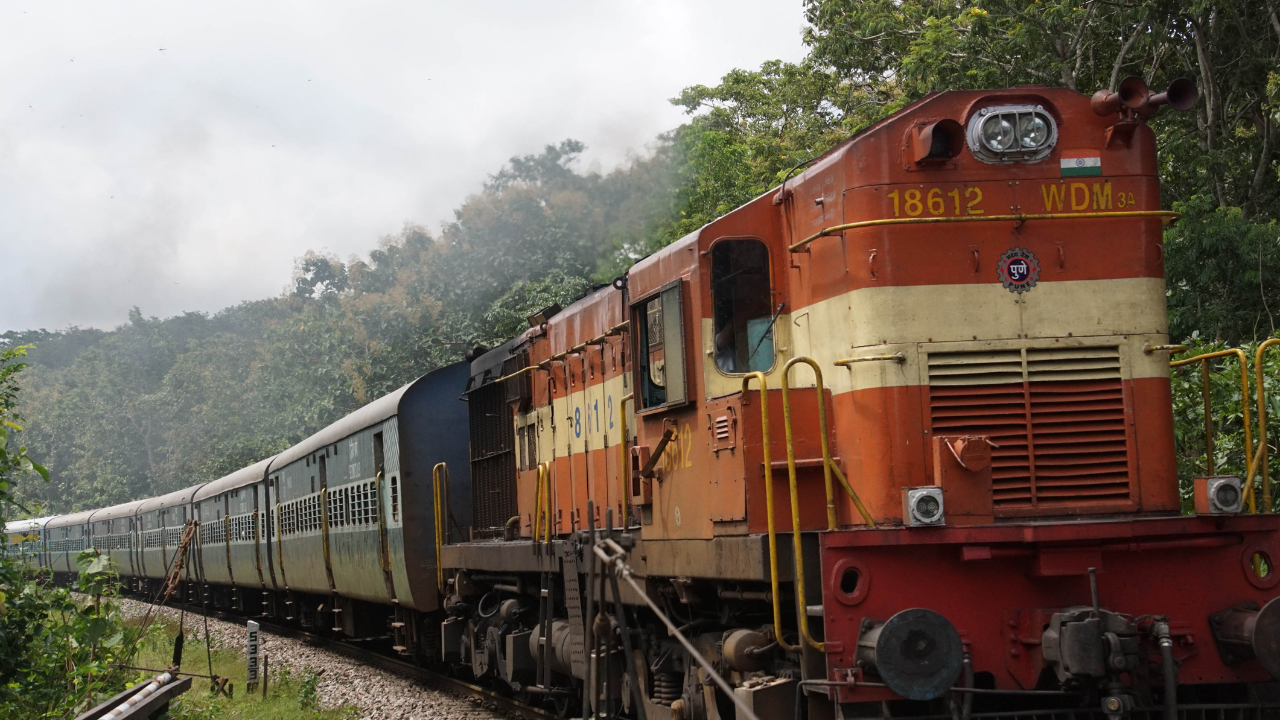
(894, 439)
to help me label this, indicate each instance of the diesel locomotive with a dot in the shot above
(892, 439)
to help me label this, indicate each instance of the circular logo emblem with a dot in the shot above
(1019, 270)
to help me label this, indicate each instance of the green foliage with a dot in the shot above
(1224, 273)
(508, 316)
(59, 654)
(309, 691)
(14, 459)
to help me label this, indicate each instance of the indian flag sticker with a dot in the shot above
(1076, 163)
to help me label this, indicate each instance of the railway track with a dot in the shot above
(395, 666)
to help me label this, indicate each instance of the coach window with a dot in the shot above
(742, 302)
(661, 351)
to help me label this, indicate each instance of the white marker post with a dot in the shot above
(251, 655)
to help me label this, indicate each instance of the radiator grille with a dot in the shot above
(493, 460)
(1057, 415)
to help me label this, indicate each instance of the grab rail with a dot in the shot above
(548, 492)
(624, 467)
(537, 505)
(1263, 449)
(791, 452)
(437, 472)
(1208, 409)
(542, 505)
(798, 560)
(829, 465)
(1166, 217)
(768, 502)
(284, 579)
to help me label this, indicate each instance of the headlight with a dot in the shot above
(1033, 131)
(928, 507)
(1218, 495)
(997, 133)
(922, 506)
(1226, 495)
(1012, 133)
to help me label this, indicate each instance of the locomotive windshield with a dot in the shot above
(742, 301)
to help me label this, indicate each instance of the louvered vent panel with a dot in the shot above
(1057, 415)
(722, 427)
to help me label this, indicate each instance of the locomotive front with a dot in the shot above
(981, 281)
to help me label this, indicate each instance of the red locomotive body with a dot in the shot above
(979, 447)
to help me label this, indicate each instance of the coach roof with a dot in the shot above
(238, 479)
(371, 414)
(16, 526)
(78, 518)
(128, 509)
(173, 499)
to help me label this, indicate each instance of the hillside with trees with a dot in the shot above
(162, 403)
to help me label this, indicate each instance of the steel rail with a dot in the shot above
(1166, 217)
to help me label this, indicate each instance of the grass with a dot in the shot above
(289, 696)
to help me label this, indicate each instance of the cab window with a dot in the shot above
(661, 348)
(742, 302)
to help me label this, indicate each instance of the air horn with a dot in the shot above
(1134, 97)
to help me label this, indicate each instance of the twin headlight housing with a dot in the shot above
(1012, 133)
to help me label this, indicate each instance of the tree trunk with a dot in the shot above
(1261, 121)
(1211, 110)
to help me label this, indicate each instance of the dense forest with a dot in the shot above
(157, 404)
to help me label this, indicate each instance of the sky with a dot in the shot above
(180, 156)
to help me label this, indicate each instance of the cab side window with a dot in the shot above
(660, 355)
(742, 302)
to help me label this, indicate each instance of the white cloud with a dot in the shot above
(189, 178)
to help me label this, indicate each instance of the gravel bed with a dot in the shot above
(377, 693)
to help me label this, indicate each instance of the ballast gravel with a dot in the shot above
(345, 683)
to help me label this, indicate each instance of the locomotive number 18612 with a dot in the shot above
(914, 202)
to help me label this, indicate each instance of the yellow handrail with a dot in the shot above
(798, 562)
(1208, 412)
(1165, 216)
(438, 472)
(832, 523)
(624, 467)
(844, 483)
(768, 502)
(537, 502)
(1263, 450)
(542, 505)
(897, 357)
